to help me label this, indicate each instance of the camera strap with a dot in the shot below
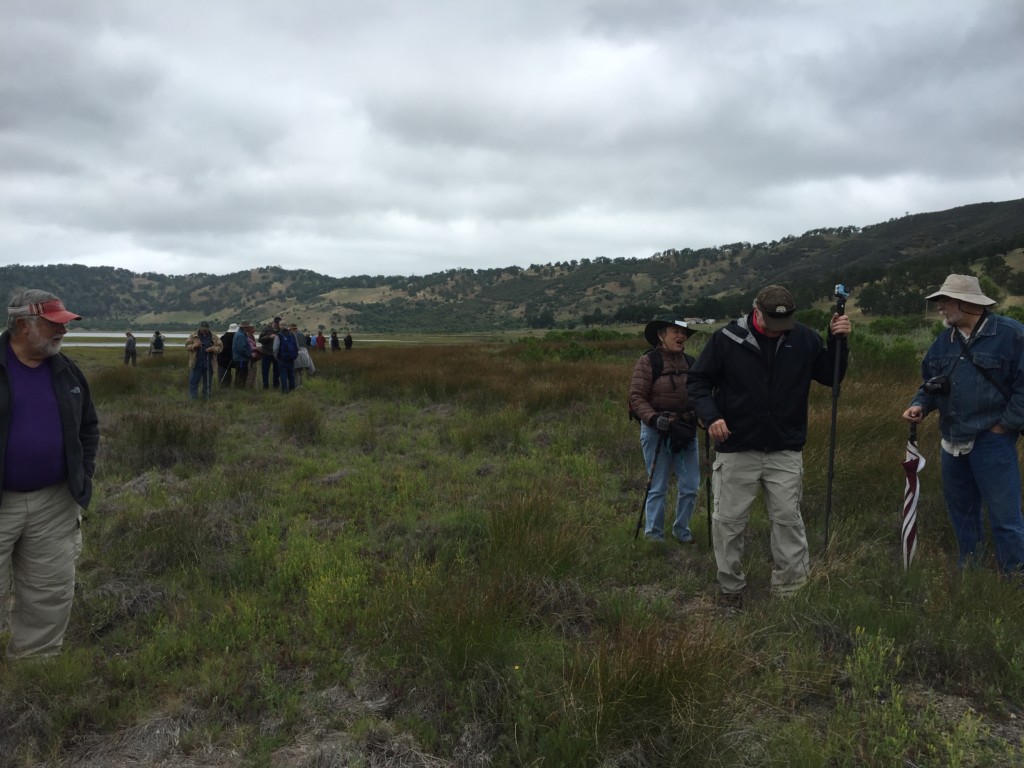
(966, 345)
(991, 379)
(983, 371)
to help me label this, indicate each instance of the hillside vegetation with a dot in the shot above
(889, 266)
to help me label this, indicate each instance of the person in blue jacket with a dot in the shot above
(974, 377)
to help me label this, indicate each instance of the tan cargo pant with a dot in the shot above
(40, 540)
(736, 479)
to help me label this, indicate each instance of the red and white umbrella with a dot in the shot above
(912, 465)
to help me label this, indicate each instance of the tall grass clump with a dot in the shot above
(113, 383)
(161, 438)
(300, 419)
(489, 431)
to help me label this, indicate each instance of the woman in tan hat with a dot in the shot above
(974, 376)
(657, 399)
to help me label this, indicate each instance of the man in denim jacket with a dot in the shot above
(974, 375)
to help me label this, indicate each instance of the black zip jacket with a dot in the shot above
(78, 420)
(762, 397)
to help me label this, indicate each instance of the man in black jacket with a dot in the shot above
(750, 386)
(266, 342)
(224, 360)
(49, 434)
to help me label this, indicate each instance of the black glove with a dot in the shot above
(663, 423)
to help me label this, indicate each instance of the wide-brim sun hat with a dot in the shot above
(652, 328)
(233, 328)
(962, 288)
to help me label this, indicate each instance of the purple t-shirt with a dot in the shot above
(35, 442)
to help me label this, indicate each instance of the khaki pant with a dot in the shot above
(40, 539)
(736, 479)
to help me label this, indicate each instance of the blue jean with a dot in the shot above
(686, 465)
(989, 475)
(197, 374)
(287, 375)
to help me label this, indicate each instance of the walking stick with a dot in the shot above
(647, 490)
(841, 296)
(707, 481)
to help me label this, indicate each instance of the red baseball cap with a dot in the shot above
(52, 310)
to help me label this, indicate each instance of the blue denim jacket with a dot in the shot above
(974, 404)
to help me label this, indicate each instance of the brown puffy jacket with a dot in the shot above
(647, 398)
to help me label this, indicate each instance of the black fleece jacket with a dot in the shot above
(761, 389)
(77, 417)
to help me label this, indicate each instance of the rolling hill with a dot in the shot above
(888, 266)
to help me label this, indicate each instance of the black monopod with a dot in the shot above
(707, 482)
(841, 295)
(647, 490)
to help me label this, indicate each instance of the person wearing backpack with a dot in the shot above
(668, 427)
(156, 345)
(286, 350)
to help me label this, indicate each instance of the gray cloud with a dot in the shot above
(406, 138)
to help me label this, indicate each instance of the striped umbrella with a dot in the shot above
(912, 465)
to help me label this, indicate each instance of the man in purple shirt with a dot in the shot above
(49, 434)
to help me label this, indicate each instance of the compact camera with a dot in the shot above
(937, 385)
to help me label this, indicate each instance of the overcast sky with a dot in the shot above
(409, 137)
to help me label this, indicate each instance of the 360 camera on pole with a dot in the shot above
(841, 294)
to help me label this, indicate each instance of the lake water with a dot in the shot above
(117, 339)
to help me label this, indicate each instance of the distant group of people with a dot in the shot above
(750, 387)
(279, 355)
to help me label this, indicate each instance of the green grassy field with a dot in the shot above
(425, 557)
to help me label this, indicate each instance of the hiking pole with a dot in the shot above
(647, 490)
(841, 294)
(707, 481)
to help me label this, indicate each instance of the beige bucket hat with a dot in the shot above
(963, 288)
